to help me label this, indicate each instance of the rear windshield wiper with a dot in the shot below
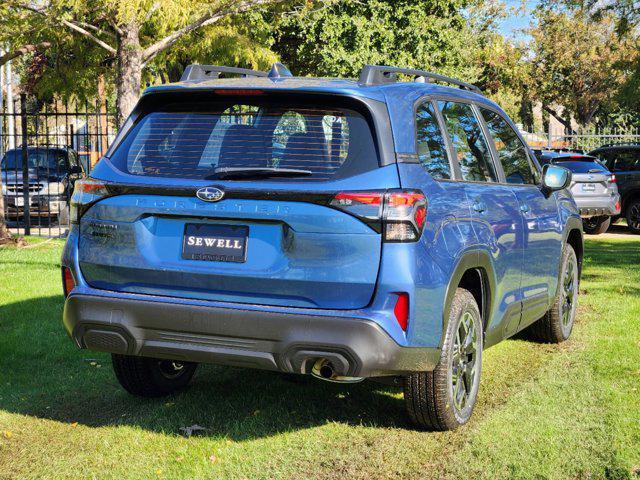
(231, 173)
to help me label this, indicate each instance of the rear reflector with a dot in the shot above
(401, 310)
(68, 283)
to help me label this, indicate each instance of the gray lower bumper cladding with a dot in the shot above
(244, 338)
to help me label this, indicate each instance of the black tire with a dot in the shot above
(557, 323)
(151, 377)
(632, 214)
(429, 396)
(596, 225)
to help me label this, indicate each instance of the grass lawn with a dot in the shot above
(544, 411)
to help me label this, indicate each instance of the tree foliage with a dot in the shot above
(578, 62)
(127, 36)
(338, 39)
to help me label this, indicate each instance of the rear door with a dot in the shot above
(542, 239)
(495, 211)
(177, 227)
(625, 163)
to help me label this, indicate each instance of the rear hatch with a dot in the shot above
(589, 177)
(235, 196)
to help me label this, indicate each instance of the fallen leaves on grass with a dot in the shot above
(8, 434)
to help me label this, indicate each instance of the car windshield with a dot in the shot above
(200, 141)
(584, 165)
(41, 158)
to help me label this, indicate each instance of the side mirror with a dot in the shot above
(555, 178)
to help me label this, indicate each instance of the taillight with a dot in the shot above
(400, 214)
(613, 179)
(68, 283)
(401, 310)
(404, 216)
(85, 193)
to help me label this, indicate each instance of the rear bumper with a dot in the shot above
(246, 338)
(598, 206)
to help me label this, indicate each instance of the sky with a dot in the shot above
(513, 23)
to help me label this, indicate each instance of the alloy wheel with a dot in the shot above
(464, 362)
(633, 217)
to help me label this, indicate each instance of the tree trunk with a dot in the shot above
(5, 235)
(129, 70)
(566, 123)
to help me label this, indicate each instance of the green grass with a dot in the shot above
(544, 411)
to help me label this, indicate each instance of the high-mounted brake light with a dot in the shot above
(400, 214)
(401, 310)
(224, 91)
(68, 283)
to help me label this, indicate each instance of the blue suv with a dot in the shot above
(346, 229)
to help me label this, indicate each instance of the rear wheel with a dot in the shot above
(556, 325)
(151, 377)
(444, 398)
(596, 225)
(633, 216)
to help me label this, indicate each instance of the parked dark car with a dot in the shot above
(593, 187)
(345, 229)
(52, 171)
(623, 159)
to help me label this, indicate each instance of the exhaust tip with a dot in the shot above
(326, 370)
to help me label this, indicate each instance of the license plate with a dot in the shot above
(588, 187)
(215, 243)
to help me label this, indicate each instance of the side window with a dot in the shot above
(470, 144)
(511, 152)
(627, 160)
(432, 151)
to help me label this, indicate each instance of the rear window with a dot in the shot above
(582, 166)
(192, 141)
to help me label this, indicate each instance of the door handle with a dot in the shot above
(524, 208)
(479, 206)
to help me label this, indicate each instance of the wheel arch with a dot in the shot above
(474, 272)
(627, 198)
(575, 238)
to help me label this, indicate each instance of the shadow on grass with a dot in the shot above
(42, 374)
(49, 378)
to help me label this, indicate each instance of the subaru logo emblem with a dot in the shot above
(210, 194)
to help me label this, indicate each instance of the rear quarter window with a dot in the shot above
(179, 141)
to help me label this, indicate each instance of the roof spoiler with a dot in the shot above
(379, 74)
(210, 72)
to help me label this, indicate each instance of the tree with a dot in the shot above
(577, 63)
(338, 39)
(131, 33)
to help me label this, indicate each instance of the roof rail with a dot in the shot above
(202, 72)
(630, 144)
(379, 74)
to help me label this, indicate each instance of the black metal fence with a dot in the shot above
(44, 150)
